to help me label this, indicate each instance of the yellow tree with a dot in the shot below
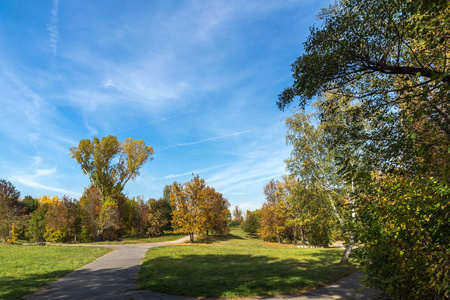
(185, 198)
(214, 211)
(198, 208)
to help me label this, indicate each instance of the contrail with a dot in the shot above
(206, 140)
(152, 122)
(52, 28)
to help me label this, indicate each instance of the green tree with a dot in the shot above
(30, 203)
(252, 222)
(391, 59)
(323, 189)
(110, 164)
(36, 224)
(381, 70)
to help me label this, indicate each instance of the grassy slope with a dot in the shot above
(23, 269)
(238, 266)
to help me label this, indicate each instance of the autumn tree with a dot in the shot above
(10, 208)
(110, 164)
(273, 213)
(62, 220)
(214, 211)
(158, 216)
(90, 207)
(194, 205)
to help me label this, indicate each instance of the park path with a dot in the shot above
(112, 276)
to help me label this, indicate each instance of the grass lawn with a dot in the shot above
(236, 265)
(23, 269)
(163, 238)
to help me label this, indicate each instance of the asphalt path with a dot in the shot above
(114, 276)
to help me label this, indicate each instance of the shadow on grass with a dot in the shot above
(14, 288)
(237, 275)
(210, 239)
(79, 284)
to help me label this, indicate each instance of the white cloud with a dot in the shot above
(52, 28)
(33, 184)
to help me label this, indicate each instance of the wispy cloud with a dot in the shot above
(33, 184)
(207, 140)
(152, 122)
(52, 28)
(32, 180)
(194, 172)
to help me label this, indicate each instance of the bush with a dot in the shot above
(406, 237)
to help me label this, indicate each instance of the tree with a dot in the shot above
(90, 208)
(313, 164)
(215, 211)
(10, 208)
(110, 164)
(30, 203)
(396, 71)
(273, 213)
(237, 215)
(381, 70)
(252, 222)
(198, 208)
(62, 220)
(36, 224)
(158, 217)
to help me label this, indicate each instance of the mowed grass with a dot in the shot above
(23, 269)
(235, 266)
(127, 240)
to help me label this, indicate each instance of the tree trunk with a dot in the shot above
(347, 251)
(191, 236)
(303, 235)
(295, 235)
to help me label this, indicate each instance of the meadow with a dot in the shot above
(236, 265)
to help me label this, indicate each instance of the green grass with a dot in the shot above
(235, 265)
(23, 269)
(127, 240)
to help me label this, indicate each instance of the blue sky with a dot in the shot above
(197, 80)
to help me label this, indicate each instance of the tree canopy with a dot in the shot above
(110, 164)
(198, 208)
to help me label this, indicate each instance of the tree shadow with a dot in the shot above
(211, 239)
(80, 284)
(14, 288)
(232, 275)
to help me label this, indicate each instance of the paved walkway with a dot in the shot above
(113, 276)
